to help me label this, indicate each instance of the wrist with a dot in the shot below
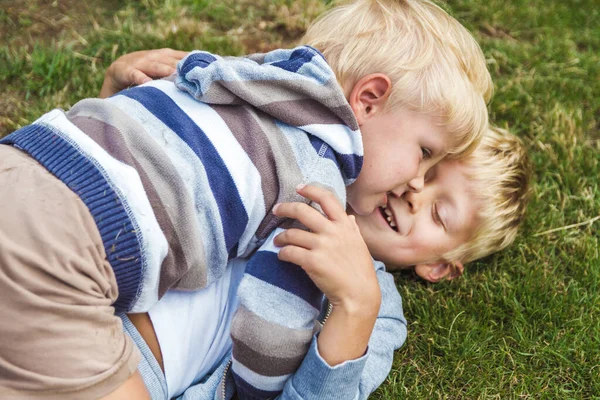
(108, 88)
(365, 306)
(355, 314)
(346, 333)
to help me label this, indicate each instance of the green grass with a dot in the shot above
(524, 323)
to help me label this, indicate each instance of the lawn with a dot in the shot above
(524, 323)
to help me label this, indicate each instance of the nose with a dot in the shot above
(415, 185)
(413, 201)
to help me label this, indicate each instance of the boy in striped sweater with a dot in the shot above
(120, 200)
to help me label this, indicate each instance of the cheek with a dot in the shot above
(366, 227)
(350, 191)
(429, 242)
(436, 247)
(407, 164)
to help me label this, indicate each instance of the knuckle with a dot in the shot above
(329, 198)
(321, 241)
(299, 208)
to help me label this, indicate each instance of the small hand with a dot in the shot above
(139, 67)
(333, 253)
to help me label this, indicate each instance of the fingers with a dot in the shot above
(296, 237)
(166, 56)
(295, 255)
(329, 203)
(138, 77)
(158, 69)
(308, 216)
(157, 63)
(176, 54)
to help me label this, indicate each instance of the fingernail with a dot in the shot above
(300, 186)
(275, 207)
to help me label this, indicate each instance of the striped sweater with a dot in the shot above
(181, 175)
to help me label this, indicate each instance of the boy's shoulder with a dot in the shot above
(294, 88)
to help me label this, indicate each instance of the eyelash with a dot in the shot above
(436, 217)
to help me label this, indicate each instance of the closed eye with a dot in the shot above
(436, 216)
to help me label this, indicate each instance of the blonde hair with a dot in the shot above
(435, 65)
(499, 173)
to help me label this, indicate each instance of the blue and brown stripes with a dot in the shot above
(220, 180)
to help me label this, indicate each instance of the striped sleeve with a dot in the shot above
(273, 326)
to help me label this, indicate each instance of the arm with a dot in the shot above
(139, 67)
(337, 260)
(280, 297)
(132, 388)
(320, 378)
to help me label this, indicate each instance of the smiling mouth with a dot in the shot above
(389, 217)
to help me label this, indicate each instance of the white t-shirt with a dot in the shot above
(193, 328)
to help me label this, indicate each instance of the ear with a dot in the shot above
(436, 272)
(369, 95)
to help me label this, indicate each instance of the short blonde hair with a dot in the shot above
(434, 63)
(499, 173)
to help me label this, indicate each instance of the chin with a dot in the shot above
(362, 211)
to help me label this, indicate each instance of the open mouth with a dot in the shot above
(389, 217)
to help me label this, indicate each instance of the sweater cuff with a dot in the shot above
(315, 379)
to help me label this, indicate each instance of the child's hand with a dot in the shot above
(139, 67)
(333, 253)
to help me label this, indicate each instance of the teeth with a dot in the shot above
(389, 217)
